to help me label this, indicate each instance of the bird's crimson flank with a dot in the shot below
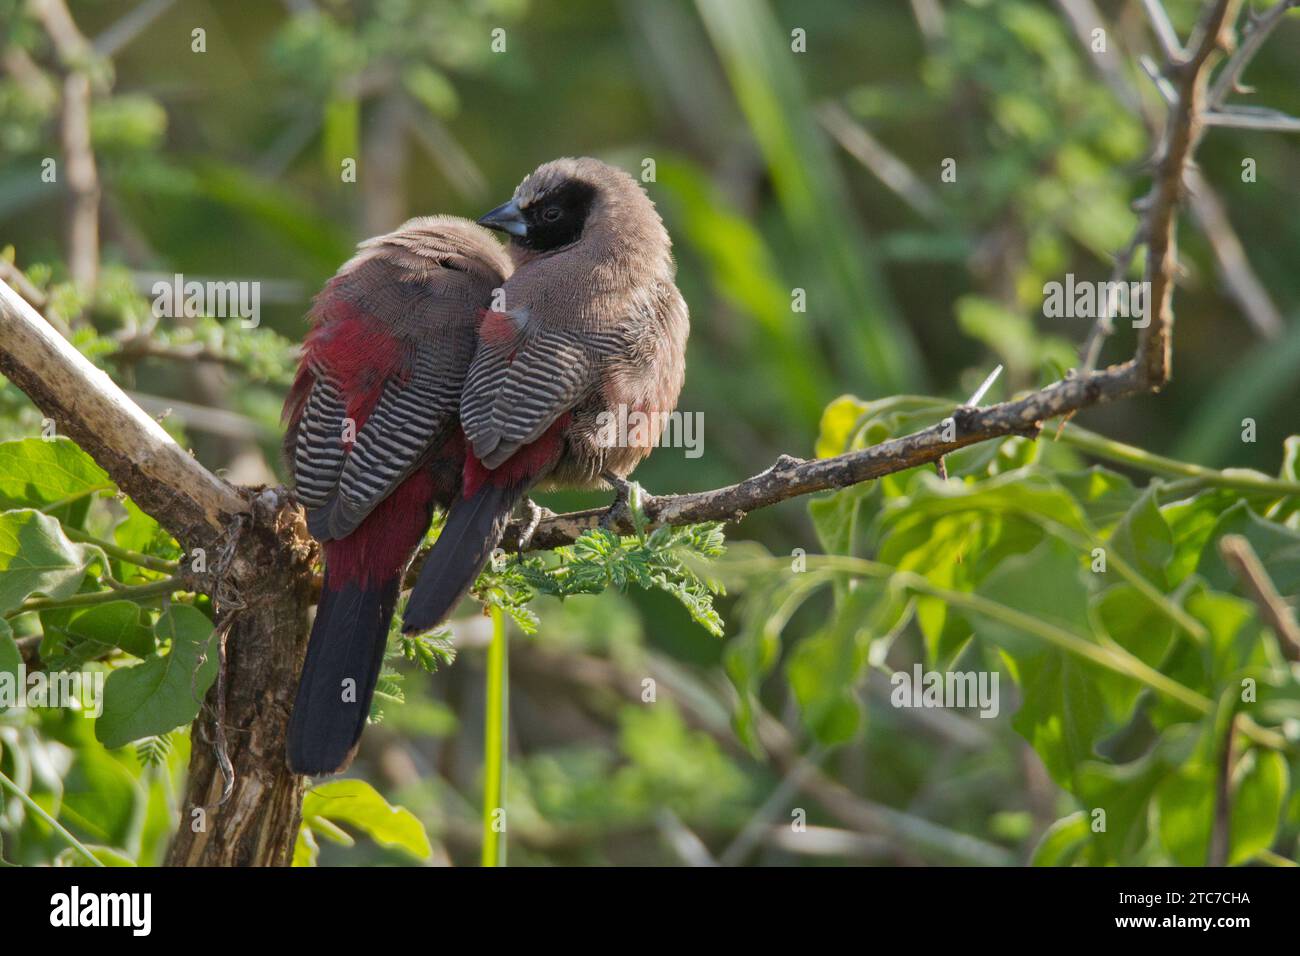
(374, 444)
(591, 320)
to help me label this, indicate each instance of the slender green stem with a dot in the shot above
(1162, 602)
(1273, 859)
(58, 827)
(84, 492)
(123, 554)
(137, 592)
(495, 734)
(1116, 451)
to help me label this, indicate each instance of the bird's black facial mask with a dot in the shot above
(556, 218)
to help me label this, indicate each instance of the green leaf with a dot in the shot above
(1063, 712)
(1124, 792)
(1278, 548)
(955, 533)
(1104, 495)
(1185, 804)
(357, 804)
(824, 669)
(116, 624)
(10, 656)
(836, 517)
(839, 425)
(36, 557)
(305, 849)
(1192, 523)
(1136, 625)
(163, 692)
(1062, 841)
(1260, 781)
(140, 532)
(35, 473)
(1144, 540)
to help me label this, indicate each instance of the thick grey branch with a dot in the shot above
(84, 404)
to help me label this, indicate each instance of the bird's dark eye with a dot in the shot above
(551, 214)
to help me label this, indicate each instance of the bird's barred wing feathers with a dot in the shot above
(514, 392)
(392, 442)
(317, 451)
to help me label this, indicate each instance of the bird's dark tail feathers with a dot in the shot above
(344, 657)
(474, 528)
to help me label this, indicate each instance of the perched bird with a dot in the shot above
(374, 444)
(591, 320)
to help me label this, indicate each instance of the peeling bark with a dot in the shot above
(258, 823)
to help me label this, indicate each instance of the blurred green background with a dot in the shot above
(775, 171)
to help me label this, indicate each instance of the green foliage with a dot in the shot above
(1106, 603)
(356, 804)
(429, 651)
(660, 560)
(163, 692)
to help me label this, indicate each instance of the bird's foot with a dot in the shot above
(533, 514)
(622, 500)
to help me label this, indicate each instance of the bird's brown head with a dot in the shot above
(572, 199)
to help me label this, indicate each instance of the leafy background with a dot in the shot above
(1118, 687)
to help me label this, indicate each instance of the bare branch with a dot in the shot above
(791, 477)
(1234, 266)
(1182, 134)
(1245, 564)
(1221, 829)
(1238, 274)
(1229, 80)
(124, 31)
(1271, 121)
(185, 498)
(80, 171)
(1164, 29)
(883, 164)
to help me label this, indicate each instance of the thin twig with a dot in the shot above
(1182, 135)
(1250, 572)
(1238, 275)
(1104, 325)
(883, 164)
(1234, 266)
(1221, 829)
(1270, 121)
(1163, 29)
(79, 169)
(109, 43)
(1229, 78)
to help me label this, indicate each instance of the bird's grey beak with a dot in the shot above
(507, 218)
